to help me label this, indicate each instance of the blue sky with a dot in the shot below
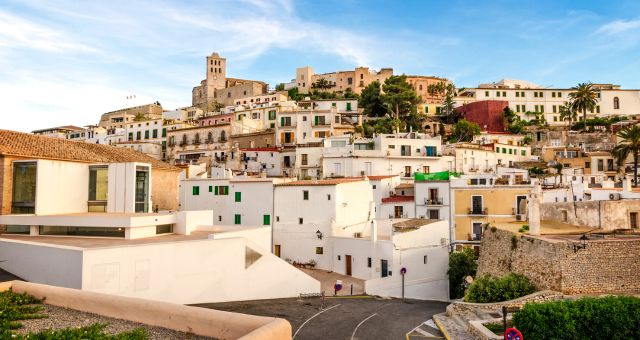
(66, 62)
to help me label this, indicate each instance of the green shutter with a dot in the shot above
(348, 106)
(238, 196)
(266, 219)
(237, 219)
(217, 191)
(281, 121)
(164, 132)
(211, 188)
(315, 120)
(195, 190)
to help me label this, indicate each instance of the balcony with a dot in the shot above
(288, 126)
(221, 158)
(475, 237)
(478, 211)
(433, 201)
(184, 143)
(209, 141)
(322, 124)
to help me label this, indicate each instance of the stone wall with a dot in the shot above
(605, 266)
(607, 215)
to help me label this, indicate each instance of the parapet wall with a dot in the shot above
(607, 215)
(604, 266)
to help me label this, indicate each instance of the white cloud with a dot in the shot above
(17, 32)
(619, 26)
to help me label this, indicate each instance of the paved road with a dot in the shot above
(344, 317)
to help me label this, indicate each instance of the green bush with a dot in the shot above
(612, 317)
(489, 288)
(524, 228)
(461, 265)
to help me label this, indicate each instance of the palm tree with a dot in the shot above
(630, 144)
(322, 84)
(568, 113)
(584, 97)
(620, 155)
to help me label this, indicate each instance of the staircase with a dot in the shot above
(455, 325)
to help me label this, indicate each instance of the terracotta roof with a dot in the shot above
(41, 147)
(377, 178)
(333, 181)
(396, 199)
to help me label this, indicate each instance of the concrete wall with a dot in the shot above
(56, 177)
(35, 262)
(608, 215)
(605, 266)
(193, 272)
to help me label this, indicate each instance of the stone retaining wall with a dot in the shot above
(545, 295)
(604, 266)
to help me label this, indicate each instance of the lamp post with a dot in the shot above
(319, 234)
(583, 243)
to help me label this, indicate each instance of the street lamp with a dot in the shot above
(319, 234)
(583, 243)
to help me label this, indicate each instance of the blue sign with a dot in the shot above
(513, 334)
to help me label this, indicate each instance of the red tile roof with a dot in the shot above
(333, 181)
(379, 177)
(397, 199)
(13, 143)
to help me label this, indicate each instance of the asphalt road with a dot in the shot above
(344, 318)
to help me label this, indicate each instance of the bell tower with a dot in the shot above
(216, 72)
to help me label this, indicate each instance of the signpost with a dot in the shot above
(513, 334)
(337, 287)
(403, 271)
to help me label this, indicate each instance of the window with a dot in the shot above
(486, 93)
(304, 118)
(130, 136)
(305, 159)
(328, 197)
(98, 188)
(138, 135)
(300, 220)
(434, 214)
(319, 251)
(211, 188)
(146, 134)
(600, 165)
(266, 219)
(272, 114)
(164, 132)
(24, 188)
(517, 94)
(195, 190)
(237, 219)
(397, 211)
(154, 133)
(498, 94)
(348, 106)
(616, 103)
(305, 195)
(164, 229)
(221, 190)
(238, 197)
(504, 93)
(587, 164)
(424, 259)
(368, 262)
(523, 152)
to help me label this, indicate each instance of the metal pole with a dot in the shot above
(504, 318)
(352, 289)
(402, 287)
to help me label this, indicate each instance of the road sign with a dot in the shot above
(403, 270)
(338, 285)
(513, 334)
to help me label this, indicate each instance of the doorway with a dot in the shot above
(142, 190)
(347, 259)
(384, 268)
(276, 250)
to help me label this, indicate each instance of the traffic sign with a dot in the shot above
(513, 334)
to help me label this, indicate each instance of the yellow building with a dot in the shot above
(482, 200)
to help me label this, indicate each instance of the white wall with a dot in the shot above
(36, 262)
(193, 272)
(62, 187)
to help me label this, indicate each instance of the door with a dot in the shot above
(384, 268)
(142, 191)
(347, 259)
(520, 204)
(276, 250)
(476, 205)
(477, 231)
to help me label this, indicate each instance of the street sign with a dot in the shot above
(338, 285)
(403, 270)
(513, 334)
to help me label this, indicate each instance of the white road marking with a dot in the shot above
(431, 324)
(309, 319)
(423, 332)
(360, 324)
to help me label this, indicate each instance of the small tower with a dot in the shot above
(216, 72)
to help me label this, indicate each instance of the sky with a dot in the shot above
(66, 62)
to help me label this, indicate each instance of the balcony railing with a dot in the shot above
(478, 211)
(289, 125)
(475, 237)
(433, 201)
(209, 141)
(184, 143)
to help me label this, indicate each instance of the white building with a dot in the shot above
(402, 154)
(476, 158)
(525, 96)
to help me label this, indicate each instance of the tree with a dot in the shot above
(584, 97)
(399, 96)
(139, 117)
(294, 95)
(322, 84)
(568, 113)
(461, 265)
(558, 166)
(371, 102)
(630, 145)
(349, 94)
(280, 87)
(463, 131)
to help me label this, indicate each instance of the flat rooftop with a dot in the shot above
(84, 242)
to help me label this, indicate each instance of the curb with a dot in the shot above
(442, 329)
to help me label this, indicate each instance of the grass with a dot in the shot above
(15, 307)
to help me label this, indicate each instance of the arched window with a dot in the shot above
(223, 136)
(184, 139)
(196, 140)
(209, 137)
(616, 103)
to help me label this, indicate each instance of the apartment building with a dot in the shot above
(200, 144)
(421, 85)
(386, 154)
(525, 97)
(486, 158)
(339, 81)
(595, 166)
(479, 200)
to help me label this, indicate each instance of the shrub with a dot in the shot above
(612, 317)
(461, 265)
(524, 228)
(489, 288)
